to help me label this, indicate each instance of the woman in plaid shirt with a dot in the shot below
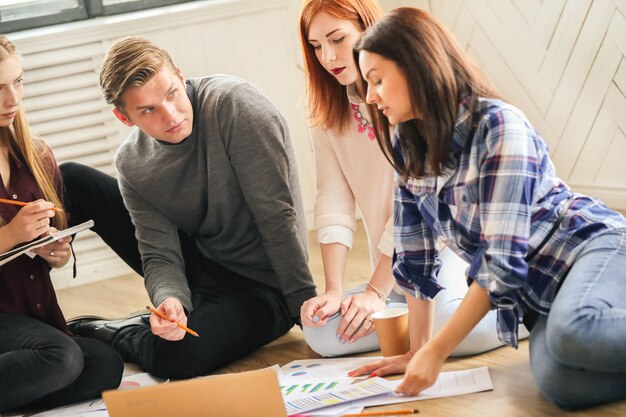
(472, 171)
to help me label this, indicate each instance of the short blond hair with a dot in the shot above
(128, 63)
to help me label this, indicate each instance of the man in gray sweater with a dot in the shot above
(210, 182)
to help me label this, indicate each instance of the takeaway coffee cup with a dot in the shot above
(392, 329)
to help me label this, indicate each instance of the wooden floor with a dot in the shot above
(514, 394)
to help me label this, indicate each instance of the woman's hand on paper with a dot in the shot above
(422, 371)
(355, 311)
(168, 329)
(388, 366)
(56, 253)
(315, 311)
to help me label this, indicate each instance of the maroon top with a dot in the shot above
(25, 285)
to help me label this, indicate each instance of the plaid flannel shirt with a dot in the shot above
(494, 208)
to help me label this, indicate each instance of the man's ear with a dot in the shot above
(180, 74)
(122, 117)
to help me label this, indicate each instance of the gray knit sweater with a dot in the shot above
(232, 185)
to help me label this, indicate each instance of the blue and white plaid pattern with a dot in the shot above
(493, 209)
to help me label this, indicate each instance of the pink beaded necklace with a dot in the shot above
(363, 122)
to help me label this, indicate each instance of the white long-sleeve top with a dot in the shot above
(352, 171)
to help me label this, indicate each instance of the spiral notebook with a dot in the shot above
(14, 253)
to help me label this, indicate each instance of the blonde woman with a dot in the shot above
(42, 364)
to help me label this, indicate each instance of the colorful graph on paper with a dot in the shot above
(297, 389)
(337, 395)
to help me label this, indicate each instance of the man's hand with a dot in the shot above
(168, 330)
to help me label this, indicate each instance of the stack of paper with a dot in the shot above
(339, 395)
(323, 385)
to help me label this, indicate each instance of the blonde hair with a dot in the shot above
(128, 63)
(327, 100)
(29, 151)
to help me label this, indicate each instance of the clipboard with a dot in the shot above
(245, 394)
(14, 253)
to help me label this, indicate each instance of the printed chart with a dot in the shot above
(338, 395)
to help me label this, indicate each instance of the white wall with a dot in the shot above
(561, 61)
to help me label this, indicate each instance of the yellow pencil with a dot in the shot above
(182, 326)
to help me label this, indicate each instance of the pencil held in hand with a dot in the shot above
(21, 203)
(182, 326)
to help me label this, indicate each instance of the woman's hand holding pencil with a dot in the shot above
(31, 221)
(169, 320)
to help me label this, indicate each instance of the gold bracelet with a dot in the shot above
(379, 293)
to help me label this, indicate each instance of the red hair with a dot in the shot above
(327, 100)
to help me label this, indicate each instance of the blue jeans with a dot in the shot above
(42, 367)
(578, 352)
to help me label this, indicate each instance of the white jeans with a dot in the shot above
(324, 341)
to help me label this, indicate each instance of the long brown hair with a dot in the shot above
(29, 151)
(327, 100)
(439, 74)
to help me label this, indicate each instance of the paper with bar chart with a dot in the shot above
(296, 388)
(338, 395)
(301, 376)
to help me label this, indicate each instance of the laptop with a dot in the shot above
(245, 394)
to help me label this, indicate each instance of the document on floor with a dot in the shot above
(448, 384)
(334, 368)
(294, 387)
(321, 372)
(371, 387)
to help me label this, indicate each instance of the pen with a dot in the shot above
(383, 413)
(21, 203)
(182, 326)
